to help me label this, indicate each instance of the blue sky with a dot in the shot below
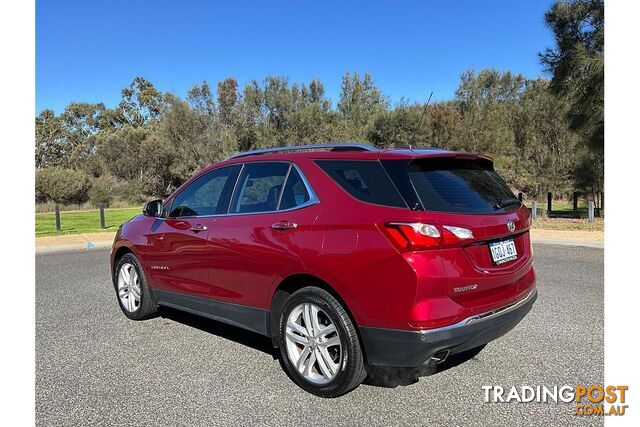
(88, 50)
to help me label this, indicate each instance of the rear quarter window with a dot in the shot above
(366, 180)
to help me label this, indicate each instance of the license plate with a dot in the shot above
(503, 251)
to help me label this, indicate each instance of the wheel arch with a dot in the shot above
(117, 254)
(287, 287)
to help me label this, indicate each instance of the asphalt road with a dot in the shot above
(95, 367)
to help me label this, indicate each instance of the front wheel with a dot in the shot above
(134, 297)
(319, 344)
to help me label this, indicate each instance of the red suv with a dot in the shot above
(345, 255)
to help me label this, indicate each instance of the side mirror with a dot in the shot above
(153, 208)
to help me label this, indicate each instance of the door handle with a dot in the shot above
(198, 228)
(284, 225)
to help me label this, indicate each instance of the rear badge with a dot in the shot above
(159, 267)
(465, 288)
(511, 226)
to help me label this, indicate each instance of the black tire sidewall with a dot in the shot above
(351, 352)
(147, 305)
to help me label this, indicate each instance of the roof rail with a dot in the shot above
(332, 146)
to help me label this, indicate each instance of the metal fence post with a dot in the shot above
(102, 226)
(549, 202)
(590, 210)
(58, 228)
(534, 210)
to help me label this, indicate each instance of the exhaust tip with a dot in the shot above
(440, 356)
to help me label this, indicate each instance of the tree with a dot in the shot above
(251, 122)
(51, 137)
(577, 64)
(139, 154)
(61, 185)
(195, 139)
(278, 103)
(589, 173)
(545, 159)
(406, 125)
(227, 100)
(141, 102)
(445, 122)
(360, 100)
(487, 102)
(200, 98)
(152, 142)
(100, 193)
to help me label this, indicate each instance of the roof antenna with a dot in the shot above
(424, 110)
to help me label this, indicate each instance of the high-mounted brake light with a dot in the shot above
(416, 235)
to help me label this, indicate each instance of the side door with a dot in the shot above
(262, 236)
(178, 258)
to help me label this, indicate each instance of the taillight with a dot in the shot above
(416, 235)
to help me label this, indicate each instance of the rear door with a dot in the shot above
(177, 258)
(263, 234)
(468, 193)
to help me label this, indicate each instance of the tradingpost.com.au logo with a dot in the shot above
(589, 399)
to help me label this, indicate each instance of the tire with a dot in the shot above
(326, 369)
(136, 302)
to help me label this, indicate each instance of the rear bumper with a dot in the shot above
(394, 347)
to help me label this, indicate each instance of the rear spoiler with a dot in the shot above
(462, 155)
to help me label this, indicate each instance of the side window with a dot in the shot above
(259, 187)
(202, 196)
(365, 180)
(295, 192)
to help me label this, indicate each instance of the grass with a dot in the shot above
(568, 224)
(82, 221)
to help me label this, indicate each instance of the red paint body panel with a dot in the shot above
(247, 256)
(242, 260)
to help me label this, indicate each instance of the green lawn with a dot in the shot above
(569, 224)
(82, 221)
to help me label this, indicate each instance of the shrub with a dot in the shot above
(61, 185)
(100, 193)
(132, 191)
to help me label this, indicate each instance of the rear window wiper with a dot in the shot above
(503, 203)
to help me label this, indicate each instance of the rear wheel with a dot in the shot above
(134, 297)
(319, 344)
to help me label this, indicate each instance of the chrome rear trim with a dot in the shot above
(486, 315)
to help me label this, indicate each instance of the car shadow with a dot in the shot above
(229, 332)
(378, 376)
(390, 377)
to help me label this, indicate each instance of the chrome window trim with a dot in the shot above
(313, 198)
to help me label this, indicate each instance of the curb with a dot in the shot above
(72, 247)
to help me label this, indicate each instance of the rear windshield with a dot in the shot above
(365, 180)
(460, 186)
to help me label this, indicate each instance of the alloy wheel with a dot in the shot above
(129, 287)
(313, 343)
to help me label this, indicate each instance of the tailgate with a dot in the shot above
(464, 190)
(474, 280)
